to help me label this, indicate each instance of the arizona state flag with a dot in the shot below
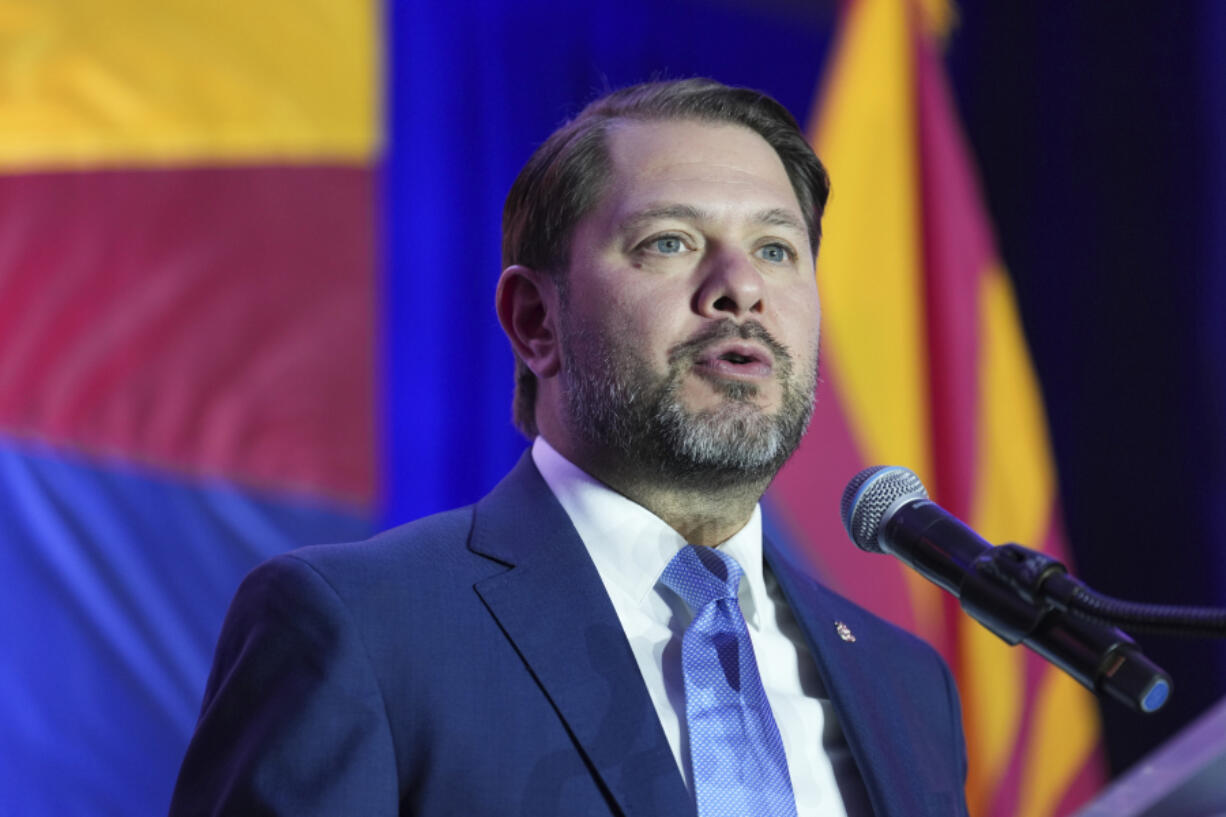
(187, 356)
(924, 365)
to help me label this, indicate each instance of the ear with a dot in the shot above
(527, 309)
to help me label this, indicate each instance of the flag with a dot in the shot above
(187, 329)
(924, 365)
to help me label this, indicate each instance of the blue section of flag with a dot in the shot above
(115, 583)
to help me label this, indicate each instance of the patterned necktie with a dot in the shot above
(740, 769)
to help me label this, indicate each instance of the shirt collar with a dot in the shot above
(629, 544)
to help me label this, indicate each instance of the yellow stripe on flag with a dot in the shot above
(1065, 734)
(869, 269)
(1014, 501)
(150, 82)
(991, 682)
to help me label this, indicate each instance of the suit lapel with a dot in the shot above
(554, 608)
(861, 679)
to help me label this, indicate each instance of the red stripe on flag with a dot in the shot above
(215, 321)
(957, 252)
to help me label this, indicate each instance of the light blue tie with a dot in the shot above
(740, 769)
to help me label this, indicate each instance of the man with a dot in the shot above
(550, 650)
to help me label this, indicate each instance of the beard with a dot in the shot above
(618, 403)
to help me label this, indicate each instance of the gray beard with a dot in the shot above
(617, 404)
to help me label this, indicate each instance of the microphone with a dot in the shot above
(885, 509)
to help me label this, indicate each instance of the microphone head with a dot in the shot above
(869, 495)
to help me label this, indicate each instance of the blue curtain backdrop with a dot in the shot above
(1100, 133)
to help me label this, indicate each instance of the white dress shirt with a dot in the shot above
(631, 547)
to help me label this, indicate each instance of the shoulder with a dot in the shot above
(417, 544)
(458, 541)
(404, 569)
(427, 567)
(331, 575)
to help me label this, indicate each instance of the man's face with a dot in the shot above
(690, 313)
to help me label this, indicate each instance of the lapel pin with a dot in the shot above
(844, 632)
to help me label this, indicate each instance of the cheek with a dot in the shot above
(799, 313)
(642, 314)
(627, 327)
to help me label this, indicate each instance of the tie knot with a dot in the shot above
(700, 575)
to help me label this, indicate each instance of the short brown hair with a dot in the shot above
(565, 177)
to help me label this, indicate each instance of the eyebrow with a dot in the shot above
(778, 217)
(774, 217)
(680, 212)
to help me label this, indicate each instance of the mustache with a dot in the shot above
(728, 329)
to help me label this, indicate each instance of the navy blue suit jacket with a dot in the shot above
(471, 663)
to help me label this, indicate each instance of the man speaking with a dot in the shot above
(607, 632)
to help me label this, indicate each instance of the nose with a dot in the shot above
(731, 286)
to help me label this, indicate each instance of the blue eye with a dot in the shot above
(775, 253)
(668, 244)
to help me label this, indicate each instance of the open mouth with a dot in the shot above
(740, 360)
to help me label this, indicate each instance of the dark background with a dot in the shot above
(1101, 139)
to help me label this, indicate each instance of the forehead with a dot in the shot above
(723, 167)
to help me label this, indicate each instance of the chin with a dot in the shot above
(721, 392)
(735, 440)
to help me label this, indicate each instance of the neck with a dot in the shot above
(703, 511)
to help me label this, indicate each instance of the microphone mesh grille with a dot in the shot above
(869, 495)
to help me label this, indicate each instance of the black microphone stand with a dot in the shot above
(1025, 596)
